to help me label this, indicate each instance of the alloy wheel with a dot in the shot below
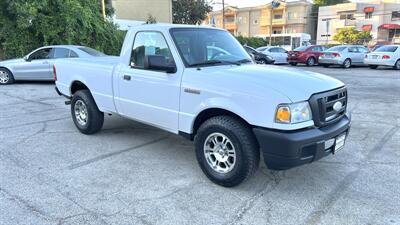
(220, 153)
(81, 112)
(4, 77)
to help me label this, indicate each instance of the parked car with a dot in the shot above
(277, 53)
(343, 55)
(387, 55)
(306, 54)
(38, 64)
(259, 57)
(231, 108)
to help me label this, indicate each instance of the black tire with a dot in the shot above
(310, 61)
(373, 66)
(397, 65)
(263, 62)
(346, 63)
(8, 77)
(245, 145)
(325, 65)
(94, 118)
(293, 63)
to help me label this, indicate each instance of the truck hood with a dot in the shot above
(297, 85)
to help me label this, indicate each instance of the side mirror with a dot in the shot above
(159, 63)
(26, 58)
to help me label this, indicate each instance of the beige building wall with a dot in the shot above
(141, 9)
(291, 17)
(331, 19)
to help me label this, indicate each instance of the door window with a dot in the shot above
(362, 50)
(353, 50)
(149, 43)
(60, 53)
(40, 54)
(73, 54)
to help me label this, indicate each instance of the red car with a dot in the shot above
(306, 54)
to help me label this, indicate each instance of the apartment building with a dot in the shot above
(289, 17)
(380, 17)
(139, 10)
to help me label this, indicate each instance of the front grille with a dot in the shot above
(328, 107)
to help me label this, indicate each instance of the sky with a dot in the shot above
(216, 4)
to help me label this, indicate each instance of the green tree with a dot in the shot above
(352, 36)
(26, 25)
(190, 11)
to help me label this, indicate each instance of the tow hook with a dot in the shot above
(68, 102)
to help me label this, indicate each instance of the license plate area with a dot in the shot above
(339, 143)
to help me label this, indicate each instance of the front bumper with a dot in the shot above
(284, 150)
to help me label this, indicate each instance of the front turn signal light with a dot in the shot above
(283, 114)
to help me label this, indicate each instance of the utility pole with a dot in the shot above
(103, 8)
(274, 4)
(223, 14)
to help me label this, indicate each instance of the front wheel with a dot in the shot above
(397, 65)
(310, 61)
(85, 113)
(6, 77)
(226, 150)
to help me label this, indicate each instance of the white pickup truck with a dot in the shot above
(199, 82)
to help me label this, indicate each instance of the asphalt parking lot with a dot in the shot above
(131, 173)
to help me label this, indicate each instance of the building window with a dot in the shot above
(347, 16)
(368, 15)
(396, 15)
(277, 16)
(290, 15)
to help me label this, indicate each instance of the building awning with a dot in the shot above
(389, 26)
(367, 27)
(369, 9)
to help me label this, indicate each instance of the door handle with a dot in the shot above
(127, 77)
(45, 62)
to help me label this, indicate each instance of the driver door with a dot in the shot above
(147, 95)
(36, 67)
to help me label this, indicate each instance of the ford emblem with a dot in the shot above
(337, 106)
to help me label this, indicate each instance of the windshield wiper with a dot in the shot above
(214, 62)
(243, 61)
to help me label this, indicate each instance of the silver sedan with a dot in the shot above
(38, 65)
(343, 55)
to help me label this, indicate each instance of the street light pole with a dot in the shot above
(223, 14)
(103, 8)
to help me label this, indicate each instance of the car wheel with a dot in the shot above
(346, 63)
(293, 63)
(397, 65)
(311, 61)
(85, 113)
(263, 61)
(226, 150)
(373, 66)
(6, 77)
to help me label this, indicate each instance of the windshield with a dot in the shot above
(302, 48)
(386, 48)
(92, 51)
(336, 49)
(202, 46)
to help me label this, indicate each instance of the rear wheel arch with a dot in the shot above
(76, 86)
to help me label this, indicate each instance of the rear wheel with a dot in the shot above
(293, 63)
(397, 65)
(6, 77)
(346, 63)
(310, 61)
(373, 66)
(85, 113)
(263, 61)
(226, 150)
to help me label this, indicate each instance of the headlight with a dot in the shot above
(293, 113)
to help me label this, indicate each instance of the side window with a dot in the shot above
(353, 49)
(40, 54)
(60, 53)
(362, 50)
(149, 43)
(317, 49)
(73, 54)
(273, 50)
(282, 50)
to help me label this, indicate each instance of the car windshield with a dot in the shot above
(92, 51)
(302, 48)
(336, 49)
(202, 46)
(386, 48)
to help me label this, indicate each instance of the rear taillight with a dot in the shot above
(55, 72)
(385, 57)
(336, 55)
